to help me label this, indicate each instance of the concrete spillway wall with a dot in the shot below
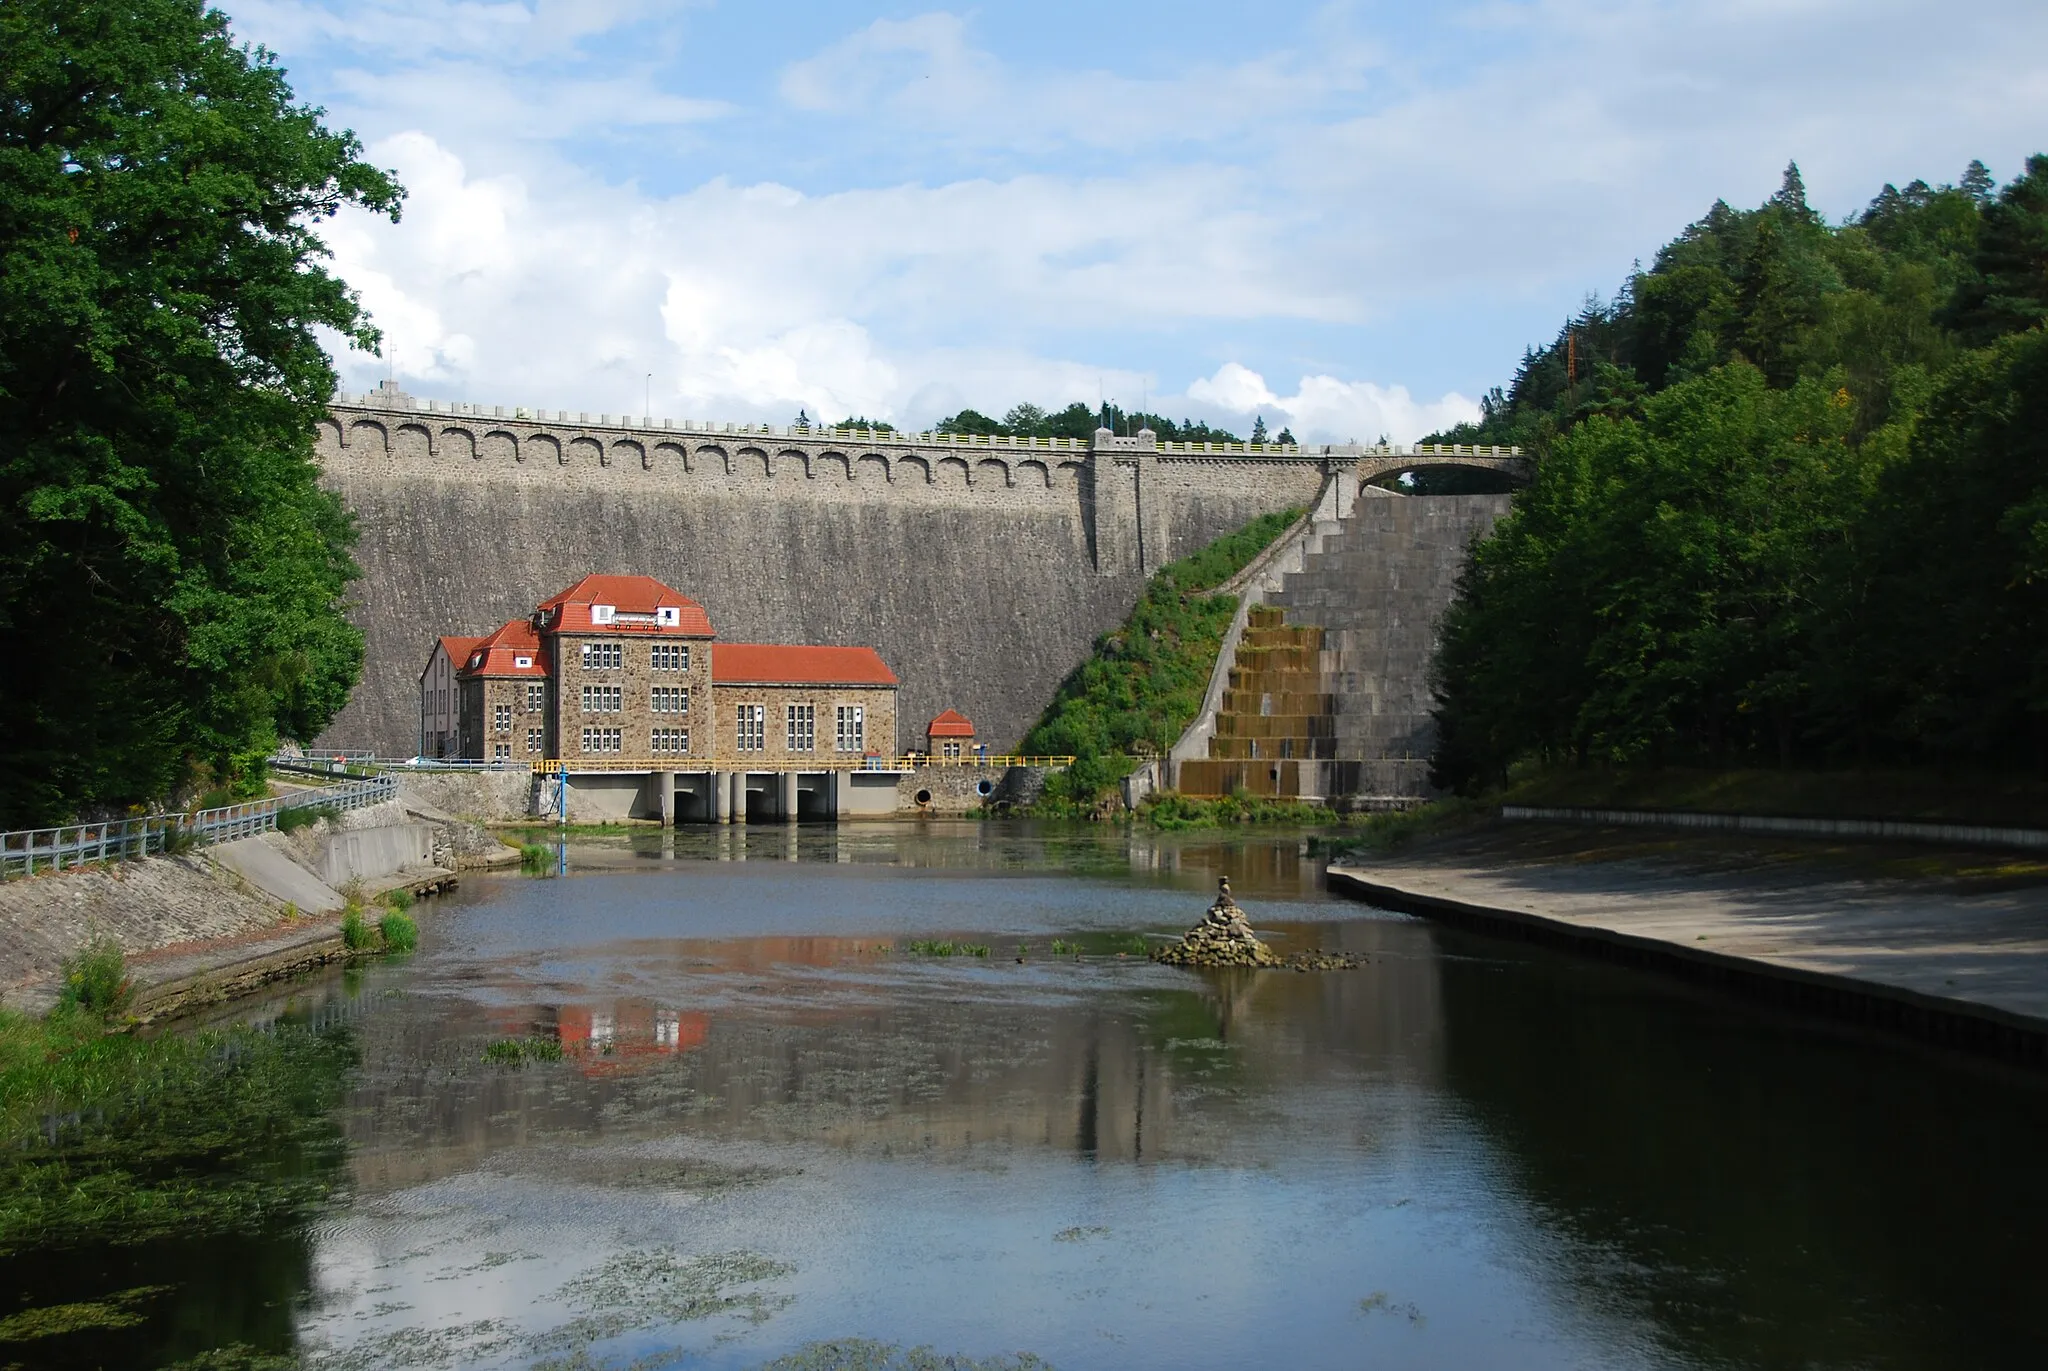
(982, 574)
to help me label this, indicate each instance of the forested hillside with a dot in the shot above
(1791, 502)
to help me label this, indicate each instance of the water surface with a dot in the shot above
(774, 1127)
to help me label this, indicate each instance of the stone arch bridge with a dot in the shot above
(981, 568)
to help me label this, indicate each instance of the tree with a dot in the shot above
(1978, 183)
(2010, 289)
(171, 574)
(1259, 429)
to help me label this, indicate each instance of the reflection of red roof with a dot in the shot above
(499, 653)
(637, 602)
(457, 648)
(768, 664)
(950, 724)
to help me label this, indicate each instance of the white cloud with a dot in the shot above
(1326, 409)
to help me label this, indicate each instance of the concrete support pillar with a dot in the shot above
(665, 797)
(789, 797)
(721, 798)
(739, 797)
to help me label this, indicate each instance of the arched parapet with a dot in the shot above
(793, 461)
(914, 470)
(327, 439)
(712, 458)
(412, 441)
(1067, 475)
(458, 444)
(1377, 467)
(1031, 474)
(993, 473)
(950, 473)
(667, 457)
(627, 452)
(583, 451)
(500, 445)
(832, 466)
(871, 468)
(752, 463)
(542, 447)
(368, 438)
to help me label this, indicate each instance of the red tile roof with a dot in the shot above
(770, 664)
(636, 600)
(950, 724)
(458, 650)
(498, 653)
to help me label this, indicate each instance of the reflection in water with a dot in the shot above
(773, 1124)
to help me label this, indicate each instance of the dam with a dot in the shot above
(981, 568)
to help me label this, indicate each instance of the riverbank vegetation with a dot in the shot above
(1143, 684)
(1790, 508)
(163, 540)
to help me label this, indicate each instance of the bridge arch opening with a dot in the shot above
(1447, 478)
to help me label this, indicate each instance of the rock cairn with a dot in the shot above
(1224, 937)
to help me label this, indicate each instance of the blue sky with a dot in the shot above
(1350, 218)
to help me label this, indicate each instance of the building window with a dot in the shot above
(536, 739)
(603, 699)
(671, 699)
(603, 740)
(850, 728)
(536, 697)
(501, 752)
(501, 718)
(803, 728)
(949, 750)
(753, 729)
(603, 656)
(671, 657)
(671, 740)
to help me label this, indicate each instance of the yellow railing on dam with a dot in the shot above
(758, 764)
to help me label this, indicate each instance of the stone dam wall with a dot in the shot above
(981, 571)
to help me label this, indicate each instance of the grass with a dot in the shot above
(96, 980)
(1062, 948)
(305, 816)
(398, 898)
(928, 947)
(398, 931)
(535, 860)
(355, 929)
(1170, 810)
(1143, 684)
(520, 1051)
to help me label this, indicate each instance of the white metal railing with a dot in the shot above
(25, 851)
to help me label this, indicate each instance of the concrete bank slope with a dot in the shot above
(1932, 960)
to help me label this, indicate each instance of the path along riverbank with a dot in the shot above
(220, 920)
(1949, 947)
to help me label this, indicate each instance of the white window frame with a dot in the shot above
(850, 728)
(603, 656)
(750, 728)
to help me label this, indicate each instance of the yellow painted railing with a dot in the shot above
(757, 764)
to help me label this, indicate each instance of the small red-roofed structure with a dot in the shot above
(949, 736)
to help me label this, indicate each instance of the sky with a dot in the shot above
(1349, 219)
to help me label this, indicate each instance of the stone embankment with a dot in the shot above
(208, 923)
(1960, 960)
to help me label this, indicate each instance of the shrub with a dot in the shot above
(535, 858)
(400, 933)
(96, 979)
(355, 930)
(399, 898)
(305, 816)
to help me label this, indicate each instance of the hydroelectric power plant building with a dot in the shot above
(621, 678)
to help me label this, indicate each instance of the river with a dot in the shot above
(778, 1135)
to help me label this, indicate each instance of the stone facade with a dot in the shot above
(877, 722)
(598, 699)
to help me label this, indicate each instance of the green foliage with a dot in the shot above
(1169, 809)
(305, 816)
(536, 859)
(1819, 532)
(163, 540)
(113, 1139)
(1061, 947)
(355, 930)
(96, 980)
(398, 898)
(1143, 684)
(519, 1051)
(1079, 421)
(399, 932)
(931, 947)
